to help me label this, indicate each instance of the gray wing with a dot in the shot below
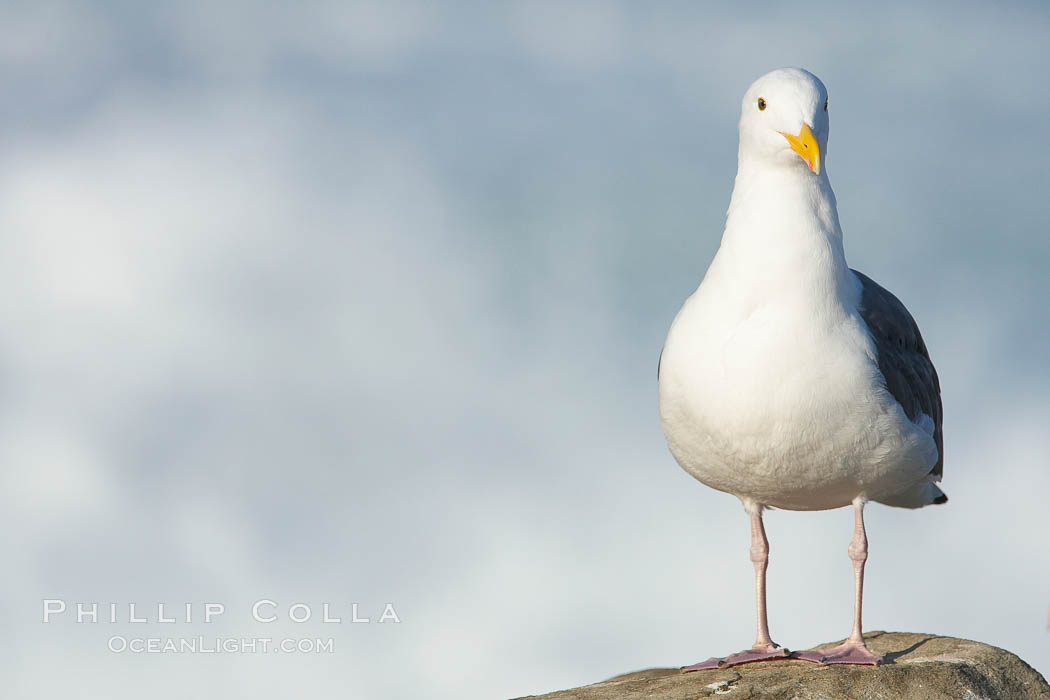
(903, 358)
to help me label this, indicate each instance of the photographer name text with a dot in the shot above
(263, 610)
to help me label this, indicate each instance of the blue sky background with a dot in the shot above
(362, 302)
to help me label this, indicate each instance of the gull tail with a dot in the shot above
(919, 495)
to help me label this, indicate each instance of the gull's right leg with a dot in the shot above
(764, 649)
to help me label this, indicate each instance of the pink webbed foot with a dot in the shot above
(767, 652)
(849, 652)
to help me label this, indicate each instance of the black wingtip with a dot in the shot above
(940, 499)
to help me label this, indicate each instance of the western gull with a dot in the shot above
(788, 379)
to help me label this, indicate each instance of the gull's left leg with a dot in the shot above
(853, 650)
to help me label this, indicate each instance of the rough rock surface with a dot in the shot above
(916, 666)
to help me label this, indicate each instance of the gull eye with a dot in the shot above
(825, 105)
(761, 104)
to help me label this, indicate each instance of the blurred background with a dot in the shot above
(361, 302)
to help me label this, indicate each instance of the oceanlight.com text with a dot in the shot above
(120, 644)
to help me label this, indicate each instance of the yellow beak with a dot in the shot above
(805, 144)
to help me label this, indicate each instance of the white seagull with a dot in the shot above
(788, 379)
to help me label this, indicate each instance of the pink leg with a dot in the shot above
(853, 650)
(764, 647)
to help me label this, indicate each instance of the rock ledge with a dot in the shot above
(917, 666)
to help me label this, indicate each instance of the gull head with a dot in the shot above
(784, 121)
